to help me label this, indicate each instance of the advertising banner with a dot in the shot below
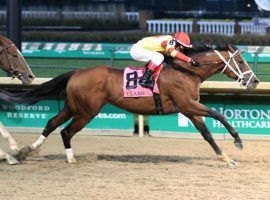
(19, 115)
(76, 50)
(112, 50)
(110, 118)
(37, 116)
(247, 118)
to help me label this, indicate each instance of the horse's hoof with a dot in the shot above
(12, 161)
(23, 153)
(72, 160)
(34, 152)
(239, 145)
(232, 163)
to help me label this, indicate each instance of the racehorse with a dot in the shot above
(88, 90)
(12, 61)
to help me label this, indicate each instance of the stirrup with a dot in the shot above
(147, 84)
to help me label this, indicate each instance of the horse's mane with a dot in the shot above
(204, 47)
(198, 48)
(4, 40)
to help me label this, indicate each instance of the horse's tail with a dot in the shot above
(43, 91)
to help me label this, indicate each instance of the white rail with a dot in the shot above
(130, 16)
(249, 27)
(210, 27)
(169, 26)
(222, 28)
(206, 87)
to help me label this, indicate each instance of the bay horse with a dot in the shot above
(88, 90)
(12, 61)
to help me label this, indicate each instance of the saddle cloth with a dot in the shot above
(131, 86)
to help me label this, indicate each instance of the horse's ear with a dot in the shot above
(231, 49)
(242, 51)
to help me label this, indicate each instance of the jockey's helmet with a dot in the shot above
(183, 39)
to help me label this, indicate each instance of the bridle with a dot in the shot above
(237, 72)
(11, 69)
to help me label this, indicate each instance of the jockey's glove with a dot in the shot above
(195, 63)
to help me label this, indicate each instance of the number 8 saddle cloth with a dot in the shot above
(131, 86)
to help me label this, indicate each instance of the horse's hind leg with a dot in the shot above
(51, 125)
(10, 159)
(12, 142)
(200, 125)
(68, 132)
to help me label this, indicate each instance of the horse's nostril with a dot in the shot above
(256, 81)
(30, 76)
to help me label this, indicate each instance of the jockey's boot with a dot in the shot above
(147, 78)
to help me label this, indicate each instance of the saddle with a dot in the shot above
(132, 89)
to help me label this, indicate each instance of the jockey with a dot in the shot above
(152, 49)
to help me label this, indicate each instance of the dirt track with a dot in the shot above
(137, 168)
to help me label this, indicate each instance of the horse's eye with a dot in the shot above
(241, 62)
(15, 56)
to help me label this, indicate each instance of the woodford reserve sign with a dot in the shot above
(37, 116)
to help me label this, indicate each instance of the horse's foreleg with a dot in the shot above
(200, 125)
(195, 108)
(10, 159)
(12, 142)
(68, 132)
(237, 140)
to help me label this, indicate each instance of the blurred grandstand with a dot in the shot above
(59, 36)
(58, 15)
(84, 21)
(228, 9)
(240, 22)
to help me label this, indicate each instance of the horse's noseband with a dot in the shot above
(237, 71)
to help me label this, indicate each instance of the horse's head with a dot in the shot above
(12, 61)
(236, 67)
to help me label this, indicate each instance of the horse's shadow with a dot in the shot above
(144, 158)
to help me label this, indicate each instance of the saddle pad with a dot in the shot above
(131, 86)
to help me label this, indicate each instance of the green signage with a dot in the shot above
(37, 116)
(246, 118)
(19, 115)
(112, 50)
(111, 117)
(76, 50)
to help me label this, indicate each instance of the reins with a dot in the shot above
(184, 70)
(236, 69)
(210, 63)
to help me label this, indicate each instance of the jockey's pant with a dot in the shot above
(140, 54)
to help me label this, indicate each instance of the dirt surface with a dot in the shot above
(111, 167)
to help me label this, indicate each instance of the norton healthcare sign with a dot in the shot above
(246, 118)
